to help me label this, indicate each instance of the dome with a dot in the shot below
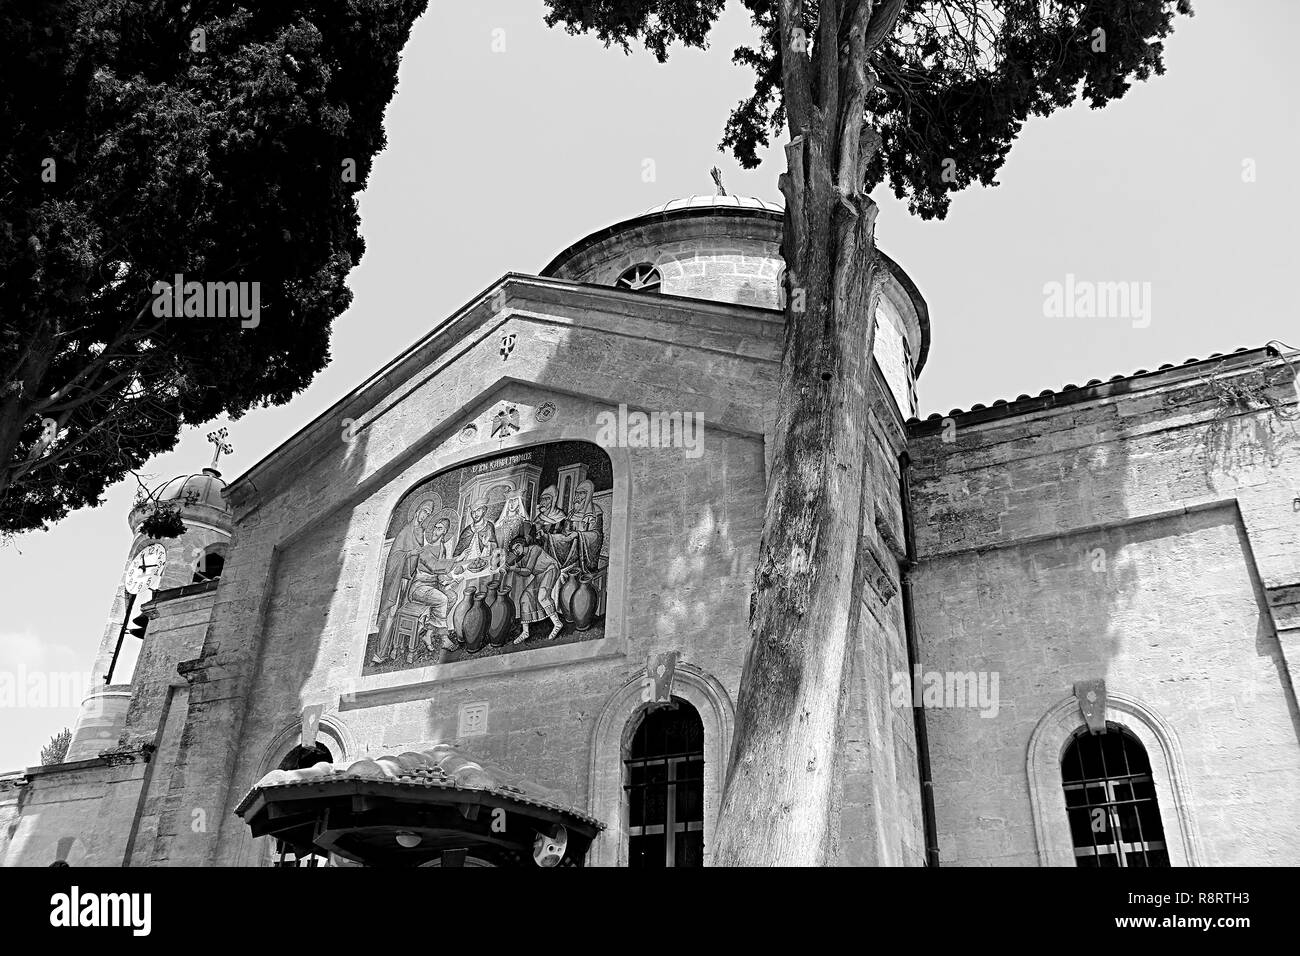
(727, 249)
(698, 202)
(201, 489)
(197, 497)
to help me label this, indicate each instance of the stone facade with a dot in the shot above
(1188, 503)
(82, 812)
(1133, 532)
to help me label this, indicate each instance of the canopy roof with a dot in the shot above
(442, 802)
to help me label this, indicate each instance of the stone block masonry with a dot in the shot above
(1113, 536)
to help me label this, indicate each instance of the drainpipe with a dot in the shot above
(909, 629)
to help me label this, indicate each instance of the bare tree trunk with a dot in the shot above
(776, 806)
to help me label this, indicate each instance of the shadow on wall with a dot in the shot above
(1025, 621)
(1115, 581)
(693, 527)
(227, 726)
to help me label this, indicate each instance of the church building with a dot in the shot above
(491, 609)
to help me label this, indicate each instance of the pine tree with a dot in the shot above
(222, 141)
(57, 748)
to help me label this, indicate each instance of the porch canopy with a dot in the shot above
(427, 808)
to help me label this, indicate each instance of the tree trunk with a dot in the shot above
(776, 806)
(17, 399)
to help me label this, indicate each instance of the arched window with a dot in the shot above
(640, 278)
(299, 758)
(665, 788)
(209, 565)
(1110, 797)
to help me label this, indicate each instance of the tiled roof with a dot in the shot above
(443, 766)
(1047, 396)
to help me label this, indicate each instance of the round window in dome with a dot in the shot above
(640, 278)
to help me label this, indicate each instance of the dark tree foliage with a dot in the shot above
(956, 79)
(140, 139)
(163, 522)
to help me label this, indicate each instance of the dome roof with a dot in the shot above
(738, 208)
(698, 202)
(713, 231)
(200, 489)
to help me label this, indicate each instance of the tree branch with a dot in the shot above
(99, 362)
(881, 25)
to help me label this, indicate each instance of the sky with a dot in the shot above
(508, 141)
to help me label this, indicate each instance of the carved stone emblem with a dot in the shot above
(1091, 695)
(505, 422)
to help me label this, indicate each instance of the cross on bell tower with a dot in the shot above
(716, 173)
(218, 439)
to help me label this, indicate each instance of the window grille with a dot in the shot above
(1110, 797)
(640, 278)
(665, 789)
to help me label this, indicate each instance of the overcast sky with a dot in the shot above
(498, 160)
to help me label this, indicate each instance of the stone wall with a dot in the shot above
(292, 611)
(1130, 532)
(225, 671)
(81, 812)
(689, 553)
(893, 354)
(880, 822)
(12, 790)
(745, 271)
(179, 619)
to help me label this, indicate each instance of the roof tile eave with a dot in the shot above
(1047, 398)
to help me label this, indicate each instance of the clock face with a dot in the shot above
(146, 569)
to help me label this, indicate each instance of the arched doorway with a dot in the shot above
(299, 758)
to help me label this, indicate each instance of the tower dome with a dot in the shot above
(198, 497)
(723, 248)
(205, 488)
(728, 249)
(717, 202)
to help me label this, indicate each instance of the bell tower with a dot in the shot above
(152, 565)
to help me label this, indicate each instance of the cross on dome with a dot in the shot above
(218, 439)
